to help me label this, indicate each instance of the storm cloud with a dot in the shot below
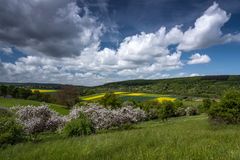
(58, 28)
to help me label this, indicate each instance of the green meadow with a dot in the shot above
(182, 138)
(11, 102)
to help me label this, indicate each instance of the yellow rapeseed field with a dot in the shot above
(89, 98)
(44, 90)
(136, 94)
(94, 97)
(161, 99)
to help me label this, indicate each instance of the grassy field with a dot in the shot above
(131, 96)
(11, 102)
(45, 90)
(186, 138)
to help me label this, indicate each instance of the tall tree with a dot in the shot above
(68, 96)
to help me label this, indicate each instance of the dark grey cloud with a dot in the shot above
(57, 28)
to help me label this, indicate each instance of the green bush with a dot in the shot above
(79, 127)
(227, 110)
(206, 104)
(4, 112)
(152, 108)
(10, 131)
(110, 100)
(167, 110)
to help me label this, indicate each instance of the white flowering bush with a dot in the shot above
(38, 119)
(191, 111)
(180, 112)
(103, 118)
(130, 114)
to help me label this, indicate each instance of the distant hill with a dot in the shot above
(204, 86)
(39, 85)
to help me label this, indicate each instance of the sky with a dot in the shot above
(92, 42)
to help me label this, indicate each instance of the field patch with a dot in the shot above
(11, 102)
(124, 96)
(45, 90)
(161, 99)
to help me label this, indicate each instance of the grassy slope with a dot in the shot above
(177, 139)
(10, 102)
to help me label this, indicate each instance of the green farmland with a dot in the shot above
(11, 102)
(124, 96)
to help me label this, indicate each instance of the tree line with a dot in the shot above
(67, 95)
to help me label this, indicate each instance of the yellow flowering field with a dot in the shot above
(44, 90)
(132, 95)
(161, 99)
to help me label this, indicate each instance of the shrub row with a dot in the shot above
(167, 109)
(103, 118)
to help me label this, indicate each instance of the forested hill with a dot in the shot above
(206, 86)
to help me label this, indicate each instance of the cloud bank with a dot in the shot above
(62, 44)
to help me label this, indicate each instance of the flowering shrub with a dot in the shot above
(38, 119)
(191, 111)
(103, 118)
(129, 114)
(180, 112)
(153, 113)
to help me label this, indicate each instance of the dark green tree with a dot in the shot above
(206, 104)
(110, 100)
(68, 96)
(3, 91)
(167, 110)
(228, 110)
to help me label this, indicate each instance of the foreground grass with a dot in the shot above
(11, 102)
(178, 139)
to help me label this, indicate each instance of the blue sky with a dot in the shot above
(91, 42)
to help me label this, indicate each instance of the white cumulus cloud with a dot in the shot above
(206, 31)
(199, 59)
(72, 53)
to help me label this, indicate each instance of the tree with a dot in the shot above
(206, 104)
(110, 100)
(68, 96)
(167, 110)
(228, 110)
(24, 93)
(10, 90)
(3, 91)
